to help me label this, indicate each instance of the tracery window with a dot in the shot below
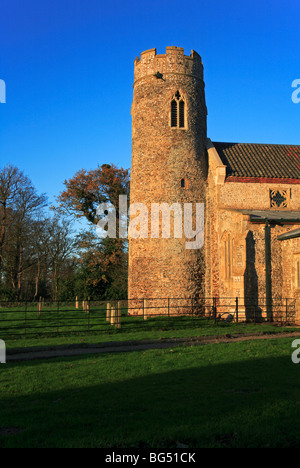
(178, 118)
(279, 198)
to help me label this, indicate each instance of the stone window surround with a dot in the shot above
(185, 111)
(285, 193)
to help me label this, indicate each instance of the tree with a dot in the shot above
(27, 206)
(37, 252)
(40, 238)
(88, 189)
(103, 260)
(60, 246)
(104, 264)
(10, 181)
(19, 205)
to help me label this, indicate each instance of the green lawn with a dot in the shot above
(148, 330)
(62, 324)
(63, 319)
(54, 318)
(243, 394)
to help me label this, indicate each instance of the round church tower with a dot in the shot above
(169, 166)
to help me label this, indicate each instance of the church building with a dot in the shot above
(250, 193)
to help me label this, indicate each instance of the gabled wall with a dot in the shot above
(230, 232)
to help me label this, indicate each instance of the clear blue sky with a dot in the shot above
(68, 68)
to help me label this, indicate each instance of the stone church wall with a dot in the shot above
(232, 230)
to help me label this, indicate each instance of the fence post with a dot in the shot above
(113, 314)
(108, 312)
(57, 316)
(145, 309)
(39, 306)
(25, 319)
(237, 309)
(88, 313)
(215, 309)
(119, 313)
(192, 311)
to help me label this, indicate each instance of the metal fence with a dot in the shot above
(53, 318)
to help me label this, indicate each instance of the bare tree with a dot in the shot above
(40, 239)
(20, 205)
(60, 246)
(10, 181)
(28, 204)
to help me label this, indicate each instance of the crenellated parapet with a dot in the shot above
(173, 61)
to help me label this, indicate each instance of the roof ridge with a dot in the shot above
(254, 144)
(260, 160)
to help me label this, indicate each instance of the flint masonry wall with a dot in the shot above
(161, 157)
(247, 276)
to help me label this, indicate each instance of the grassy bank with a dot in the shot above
(220, 395)
(147, 331)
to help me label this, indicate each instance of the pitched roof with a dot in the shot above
(289, 235)
(258, 216)
(249, 160)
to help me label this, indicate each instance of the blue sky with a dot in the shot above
(68, 68)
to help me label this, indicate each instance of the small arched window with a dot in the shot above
(182, 183)
(174, 113)
(181, 114)
(178, 111)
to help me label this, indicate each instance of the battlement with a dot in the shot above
(173, 61)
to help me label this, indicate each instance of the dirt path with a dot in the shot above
(121, 347)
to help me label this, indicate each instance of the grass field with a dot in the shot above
(243, 394)
(150, 330)
(54, 318)
(25, 320)
(62, 324)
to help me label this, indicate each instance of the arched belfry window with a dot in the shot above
(178, 111)
(174, 113)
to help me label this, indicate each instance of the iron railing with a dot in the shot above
(46, 318)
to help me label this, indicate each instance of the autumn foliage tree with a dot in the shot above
(88, 189)
(104, 259)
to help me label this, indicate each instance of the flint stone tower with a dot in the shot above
(169, 165)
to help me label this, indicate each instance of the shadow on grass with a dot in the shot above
(248, 403)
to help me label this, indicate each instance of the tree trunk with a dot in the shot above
(37, 279)
(20, 272)
(2, 234)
